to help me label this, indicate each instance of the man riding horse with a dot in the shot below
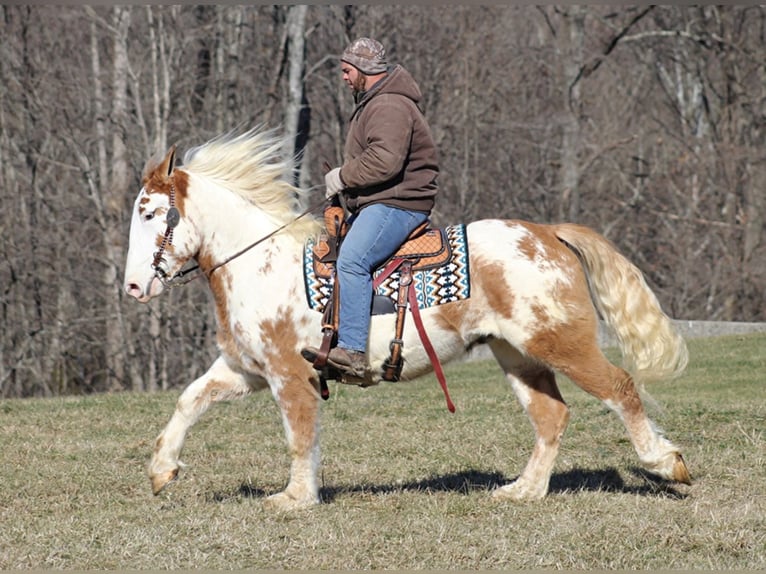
(388, 184)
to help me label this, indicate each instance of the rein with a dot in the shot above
(173, 218)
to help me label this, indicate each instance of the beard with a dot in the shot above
(358, 84)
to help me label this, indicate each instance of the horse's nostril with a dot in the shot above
(133, 290)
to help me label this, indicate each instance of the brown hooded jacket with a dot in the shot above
(390, 156)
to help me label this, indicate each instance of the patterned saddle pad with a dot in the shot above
(434, 285)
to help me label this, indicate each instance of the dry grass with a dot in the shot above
(406, 484)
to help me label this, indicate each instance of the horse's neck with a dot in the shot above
(228, 224)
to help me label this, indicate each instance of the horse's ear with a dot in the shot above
(159, 165)
(167, 165)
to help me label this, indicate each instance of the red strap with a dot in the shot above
(390, 268)
(413, 300)
(429, 348)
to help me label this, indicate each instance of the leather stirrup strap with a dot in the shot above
(324, 348)
(390, 371)
(393, 366)
(413, 300)
(329, 327)
(429, 347)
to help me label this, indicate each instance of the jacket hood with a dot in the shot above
(398, 81)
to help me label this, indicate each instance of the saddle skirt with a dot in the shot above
(440, 270)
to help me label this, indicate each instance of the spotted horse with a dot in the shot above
(536, 293)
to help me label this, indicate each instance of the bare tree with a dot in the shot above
(296, 113)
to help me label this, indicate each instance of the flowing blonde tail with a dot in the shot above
(651, 347)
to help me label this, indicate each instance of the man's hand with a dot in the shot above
(333, 183)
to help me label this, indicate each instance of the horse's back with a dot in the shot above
(529, 256)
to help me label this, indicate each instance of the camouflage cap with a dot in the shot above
(366, 54)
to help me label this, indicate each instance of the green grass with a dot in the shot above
(405, 483)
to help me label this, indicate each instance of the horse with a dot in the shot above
(536, 294)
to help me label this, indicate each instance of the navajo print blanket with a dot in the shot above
(435, 286)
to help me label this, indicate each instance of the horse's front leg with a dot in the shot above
(219, 383)
(296, 394)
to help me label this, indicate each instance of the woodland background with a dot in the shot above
(646, 123)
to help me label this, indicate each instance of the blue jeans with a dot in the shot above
(375, 233)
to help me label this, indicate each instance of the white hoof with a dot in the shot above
(283, 502)
(520, 490)
(162, 479)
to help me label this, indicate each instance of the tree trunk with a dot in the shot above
(117, 186)
(570, 48)
(296, 112)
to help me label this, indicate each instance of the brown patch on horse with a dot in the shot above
(281, 336)
(580, 328)
(529, 245)
(542, 315)
(455, 317)
(546, 407)
(572, 348)
(220, 286)
(572, 340)
(160, 174)
(271, 253)
(489, 277)
(553, 252)
(299, 400)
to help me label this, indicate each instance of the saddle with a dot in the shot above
(425, 248)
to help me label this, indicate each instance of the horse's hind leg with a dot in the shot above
(589, 369)
(535, 386)
(219, 383)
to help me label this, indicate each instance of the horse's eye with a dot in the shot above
(148, 216)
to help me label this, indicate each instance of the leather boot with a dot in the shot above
(351, 363)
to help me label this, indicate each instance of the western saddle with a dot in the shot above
(425, 248)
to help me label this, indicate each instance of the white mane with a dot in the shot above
(252, 165)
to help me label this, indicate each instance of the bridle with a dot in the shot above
(173, 218)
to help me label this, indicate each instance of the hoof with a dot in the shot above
(160, 481)
(519, 491)
(284, 502)
(670, 467)
(680, 471)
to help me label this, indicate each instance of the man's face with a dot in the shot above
(353, 77)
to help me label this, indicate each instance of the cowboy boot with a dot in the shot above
(350, 363)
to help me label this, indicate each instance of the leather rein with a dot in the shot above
(173, 218)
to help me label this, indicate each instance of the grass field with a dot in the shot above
(405, 483)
